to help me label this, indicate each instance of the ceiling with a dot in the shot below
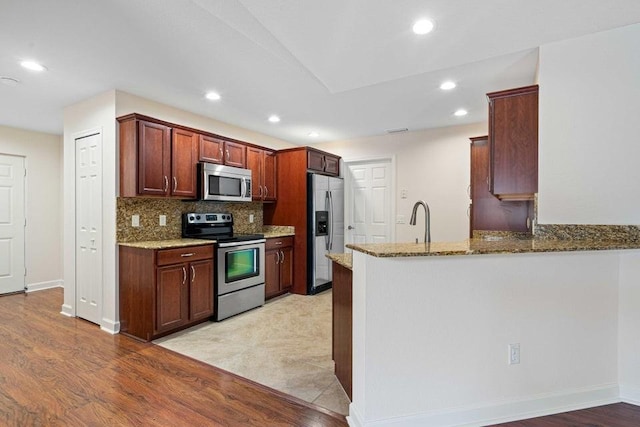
(342, 68)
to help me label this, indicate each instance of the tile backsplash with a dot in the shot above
(150, 209)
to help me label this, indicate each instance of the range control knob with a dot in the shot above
(197, 216)
(191, 218)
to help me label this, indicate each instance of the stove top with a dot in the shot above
(213, 226)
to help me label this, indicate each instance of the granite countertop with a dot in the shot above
(274, 231)
(494, 246)
(166, 244)
(344, 260)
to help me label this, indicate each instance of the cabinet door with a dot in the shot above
(513, 133)
(211, 149)
(315, 161)
(332, 165)
(234, 154)
(254, 163)
(286, 268)
(270, 174)
(201, 289)
(171, 297)
(154, 158)
(184, 158)
(271, 273)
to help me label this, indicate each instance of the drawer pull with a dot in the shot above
(184, 275)
(278, 243)
(193, 274)
(282, 257)
(187, 255)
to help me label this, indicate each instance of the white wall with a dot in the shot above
(433, 165)
(434, 351)
(43, 203)
(629, 327)
(127, 103)
(97, 113)
(589, 128)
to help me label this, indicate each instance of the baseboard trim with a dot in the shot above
(500, 412)
(68, 311)
(40, 286)
(110, 326)
(630, 394)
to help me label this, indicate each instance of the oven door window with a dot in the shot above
(224, 186)
(241, 264)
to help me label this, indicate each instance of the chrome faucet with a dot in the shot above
(427, 219)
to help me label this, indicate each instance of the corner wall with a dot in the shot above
(43, 203)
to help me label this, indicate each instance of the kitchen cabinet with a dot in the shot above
(278, 266)
(342, 321)
(222, 152)
(318, 161)
(487, 212)
(513, 143)
(164, 290)
(263, 173)
(155, 159)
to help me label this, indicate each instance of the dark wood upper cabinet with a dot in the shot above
(513, 143)
(156, 159)
(184, 157)
(263, 173)
(235, 154)
(321, 162)
(487, 212)
(211, 149)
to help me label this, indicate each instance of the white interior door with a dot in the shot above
(89, 228)
(368, 206)
(12, 223)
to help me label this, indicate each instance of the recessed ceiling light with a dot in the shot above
(274, 119)
(33, 66)
(314, 134)
(461, 112)
(213, 96)
(448, 85)
(9, 81)
(423, 26)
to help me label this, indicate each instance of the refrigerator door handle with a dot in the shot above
(330, 220)
(327, 241)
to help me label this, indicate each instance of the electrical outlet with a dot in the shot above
(403, 194)
(400, 219)
(514, 354)
(251, 218)
(163, 220)
(135, 220)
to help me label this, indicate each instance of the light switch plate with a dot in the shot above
(251, 218)
(163, 220)
(135, 220)
(400, 219)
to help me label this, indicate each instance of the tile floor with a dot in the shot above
(286, 345)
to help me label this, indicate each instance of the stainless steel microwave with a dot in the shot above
(224, 183)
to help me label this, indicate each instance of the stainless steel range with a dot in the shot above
(239, 262)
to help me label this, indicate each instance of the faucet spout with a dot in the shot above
(427, 219)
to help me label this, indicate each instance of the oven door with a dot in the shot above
(240, 265)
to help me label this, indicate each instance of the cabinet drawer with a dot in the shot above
(279, 242)
(186, 254)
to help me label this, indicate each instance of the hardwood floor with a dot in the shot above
(616, 415)
(56, 370)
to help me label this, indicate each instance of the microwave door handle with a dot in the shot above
(243, 193)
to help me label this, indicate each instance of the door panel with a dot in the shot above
(368, 202)
(12, 216)
(89, 228)
(171, 300)
(184, 158)
(201, 302)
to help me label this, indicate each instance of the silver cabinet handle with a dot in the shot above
(193, 274)
(221, 154)
(175, 184)
(166, 184)
(469, 190)
(266, 191)
(277, 257)
(278, 242)
(528, 223)
(184, 275)
(260, 191)
(469, 212)
(227, 155)
(282, 257)
(187, 254)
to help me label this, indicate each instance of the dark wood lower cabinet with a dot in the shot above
(278, 266)
(342, 325)
(164, 290)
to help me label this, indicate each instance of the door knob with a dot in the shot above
(350, 228)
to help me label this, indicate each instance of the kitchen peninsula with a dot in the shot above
(434, 327)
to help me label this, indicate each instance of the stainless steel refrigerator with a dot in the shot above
(325, 225)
